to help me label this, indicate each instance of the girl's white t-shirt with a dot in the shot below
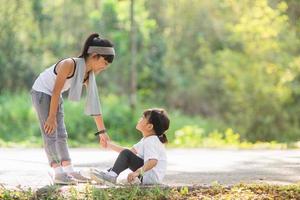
(151, 148)
(46, 81)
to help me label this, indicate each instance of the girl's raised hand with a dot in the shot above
(50, 125)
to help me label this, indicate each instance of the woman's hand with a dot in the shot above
(104, 138)
(50, 125)
(131, 176)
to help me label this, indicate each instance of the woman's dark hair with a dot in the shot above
(160, 121)
(95, 40)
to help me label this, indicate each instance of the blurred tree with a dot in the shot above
(17, 45)
(235, 61)
(247, 81)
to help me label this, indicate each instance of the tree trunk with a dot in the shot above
(133, 74)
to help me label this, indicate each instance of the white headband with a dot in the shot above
(101, 50)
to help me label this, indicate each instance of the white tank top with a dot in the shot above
(46, 80)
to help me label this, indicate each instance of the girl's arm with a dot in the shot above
(118, 148)
(63, 69)
(147, 166)
(115, 147)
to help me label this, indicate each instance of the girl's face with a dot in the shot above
(144, 126)
(99, 64)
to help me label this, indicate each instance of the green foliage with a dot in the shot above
(246, 82)
(18, 119)
(189, 136)
(194, 136)
(19, 124)
(228, 61)
(180, 120)
(184, 191)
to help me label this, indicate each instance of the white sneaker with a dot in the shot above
(64, 179)
(103, 177)
(79, 177)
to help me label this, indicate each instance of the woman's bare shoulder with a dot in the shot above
(67, 66)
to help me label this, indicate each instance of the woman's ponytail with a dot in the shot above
(88, 43)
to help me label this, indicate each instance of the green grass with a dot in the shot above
(215, 191)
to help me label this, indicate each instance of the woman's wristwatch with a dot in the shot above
(100, 132)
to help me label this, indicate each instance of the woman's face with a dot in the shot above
(99, 64)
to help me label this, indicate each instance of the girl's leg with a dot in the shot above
(41, 103)
(61, 142)
(127, 159)
(62, 146)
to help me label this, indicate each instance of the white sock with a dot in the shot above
(68, 169)
(58, 170)
(112, 173)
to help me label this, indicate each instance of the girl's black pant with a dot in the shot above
(127, 159)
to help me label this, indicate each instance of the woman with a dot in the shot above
(70, 74)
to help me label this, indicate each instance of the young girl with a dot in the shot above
(147, 159)
(70, 74)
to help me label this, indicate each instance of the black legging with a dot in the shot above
(127, 159)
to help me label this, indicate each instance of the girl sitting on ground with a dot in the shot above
(147, 159)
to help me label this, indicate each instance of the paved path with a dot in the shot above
(28, 167)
